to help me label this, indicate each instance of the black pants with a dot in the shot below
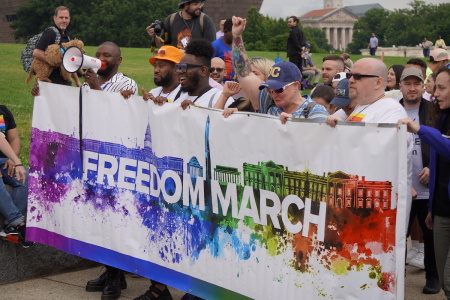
(419, 208)
(296, 60)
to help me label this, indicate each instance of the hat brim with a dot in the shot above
(341, 101)
(273, 84)
(153, 59)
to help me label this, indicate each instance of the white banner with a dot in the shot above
(222, 208)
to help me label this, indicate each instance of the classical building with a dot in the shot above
(336, 20)
(7, 15)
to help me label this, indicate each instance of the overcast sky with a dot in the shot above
(284, 8)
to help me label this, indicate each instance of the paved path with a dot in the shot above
(70, 286)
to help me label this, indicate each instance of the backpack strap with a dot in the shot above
(211, 100)
(308, 108)
(58, 35)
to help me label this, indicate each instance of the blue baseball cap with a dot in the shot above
(342, 94)
(307, 45)
(281, 74)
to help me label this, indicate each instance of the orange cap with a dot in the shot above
(169, 53)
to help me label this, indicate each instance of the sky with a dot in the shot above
(285, 8)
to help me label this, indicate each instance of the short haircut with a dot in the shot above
(264, 65)
(61, 8)
(228, 25)
(338, 59)
(323, 91)
(202, 49)
(345, 56)
(296, 20)
(417, 62)
(114, 45)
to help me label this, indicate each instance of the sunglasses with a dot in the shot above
(280, 90)
(160, 52)
(182, 67)
(357, 76)
(219, 70)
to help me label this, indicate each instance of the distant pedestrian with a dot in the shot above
(373, 44)
(295, 42)
(426, 45)
(440, 43)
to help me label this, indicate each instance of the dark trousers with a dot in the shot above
(372, 51)
(419, 209)
(426, 52)
(296, 60)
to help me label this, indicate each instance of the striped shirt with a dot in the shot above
(117, 83)
(267, 106)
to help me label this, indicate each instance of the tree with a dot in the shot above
(119, 21)
(318, 39)
(254, 29)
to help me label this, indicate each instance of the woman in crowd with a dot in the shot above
(393, 79)
(261, 68)
(429, 86)
(438, 137)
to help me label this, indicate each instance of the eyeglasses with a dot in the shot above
(357, 76)
(182, 67)
(219, 70)
(280, 90)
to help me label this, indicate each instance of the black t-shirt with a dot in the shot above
(441, 201)
(48, 38)
(6, 122)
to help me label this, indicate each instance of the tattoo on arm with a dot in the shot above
(240, 60)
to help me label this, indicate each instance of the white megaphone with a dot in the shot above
(74, 59)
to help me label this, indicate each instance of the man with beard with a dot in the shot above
(168, 89)
(194, 71)
(295, 42)
(411, 86)
(332, 65)
(108, 78)
(181, 27)
(112, 281)
(224, 50)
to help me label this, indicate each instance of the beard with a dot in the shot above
(164, 80)
(194, 80)
(192, 13)
(106, 71)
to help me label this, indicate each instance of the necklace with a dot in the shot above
(355, 114)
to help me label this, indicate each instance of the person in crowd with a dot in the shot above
(223, 49)
(418, 63)
(309, 69)
(220, 32)
(438, 59)
(347, 61)
(218, 70)
(373, 44)
(112, 281)
(323, 94)
(393, 78)
(440, 43)
(167, 90)
(436, 135)
(188, 23)
(295, 42)
(194, 72)
(280, 93)
(331, 65)
(426, 46)
(164, 76)
(342, 101)
(61, 21)
(367, 83)
(416, 107)
(12, 173)
(429, 87)
(260, 67)
(338, 77)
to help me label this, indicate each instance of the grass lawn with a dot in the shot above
(16, 94)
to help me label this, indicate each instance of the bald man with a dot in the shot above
(217, 70)
(367, 84)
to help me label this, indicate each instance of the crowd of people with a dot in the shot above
(195, 65)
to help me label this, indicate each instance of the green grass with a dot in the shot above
(16, 94)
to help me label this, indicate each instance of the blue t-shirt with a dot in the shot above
(224, 52)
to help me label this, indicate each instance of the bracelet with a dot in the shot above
(18, 165)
